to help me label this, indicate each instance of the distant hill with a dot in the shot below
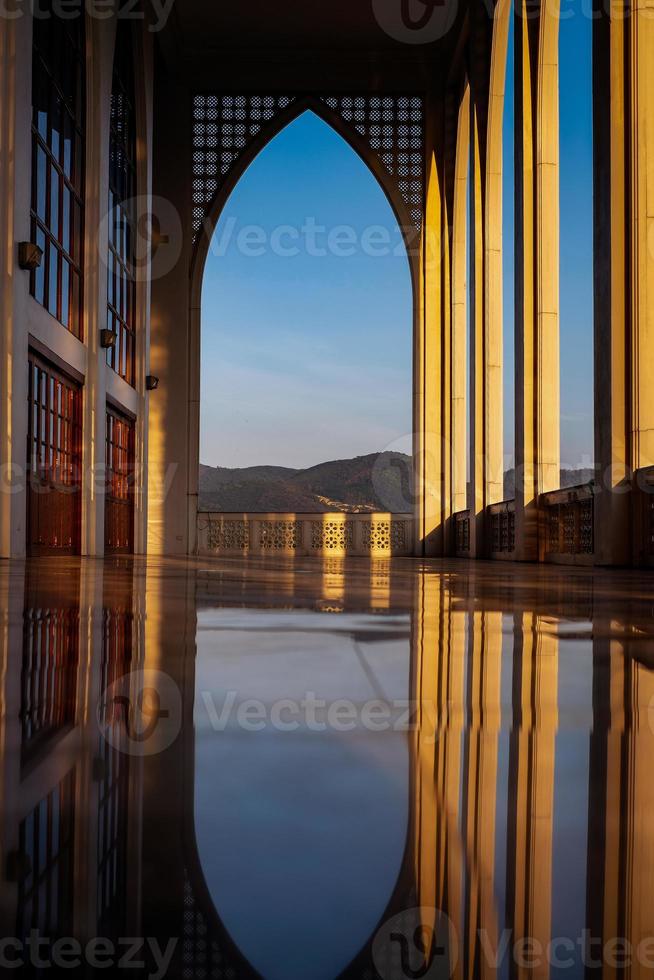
(569, 478)
(378, 482)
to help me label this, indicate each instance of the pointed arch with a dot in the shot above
(268, 131)
(412, 238)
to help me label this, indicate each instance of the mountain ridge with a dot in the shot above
(362, 484)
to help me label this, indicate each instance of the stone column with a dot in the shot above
(15, 176)
(623, 41)
(537, 267)
(431, 388)
(481, 752)
(460, 309)
(477, 347)
(531, 784)
(171, 408)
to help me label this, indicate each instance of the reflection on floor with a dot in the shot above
(308, 770)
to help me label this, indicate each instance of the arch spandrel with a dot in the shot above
(229, 131)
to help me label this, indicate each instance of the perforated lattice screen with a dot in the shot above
(393, 126)
(225, 125)
(201, 953)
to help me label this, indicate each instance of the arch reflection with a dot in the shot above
(517, 802)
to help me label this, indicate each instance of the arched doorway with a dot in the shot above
(230, 132)
(306, 356)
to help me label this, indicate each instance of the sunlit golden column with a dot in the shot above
(484, 714)
(537, 396)
(638, 807)
(621, 793)
(624, 264)
(477, 346)
(431, 399)
(531, 784)
(493, 251)
(429, 641)
(460, 308)
(439, 652)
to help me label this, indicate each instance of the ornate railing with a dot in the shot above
(302, 535)
(568, 517)
(462, 533)
(501, 518)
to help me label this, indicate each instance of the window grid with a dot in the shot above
(45, 894)
(118, 623)
(121, 284)
(49, 674)
(54, 458)
(57, 210)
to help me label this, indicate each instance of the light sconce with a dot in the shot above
(151, 382)
(30, 256)
(107, 339)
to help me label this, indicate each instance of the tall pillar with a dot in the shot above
(15, 178)
(477, 346)
(493, 262)
(531, 785)
(623, 40)
(621, 797)
(431, 357)
(537, 396)
(460, 309)
(170, 480)
(480, 785)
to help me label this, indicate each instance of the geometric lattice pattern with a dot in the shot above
(225, 125)
(201, 953)
(462, 533)
(570, 527)
(226, 535)
(332, 535)
(393, 126)
(586, 527)
(503, 532)
(385, 535)
(280, 535)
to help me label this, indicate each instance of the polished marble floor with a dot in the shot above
(307, 770)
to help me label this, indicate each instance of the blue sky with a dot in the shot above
(307, 357)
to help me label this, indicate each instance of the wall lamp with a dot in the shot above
(151, 382)
(30, 256)
(107, 338)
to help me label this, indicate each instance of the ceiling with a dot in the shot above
(304, 45)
